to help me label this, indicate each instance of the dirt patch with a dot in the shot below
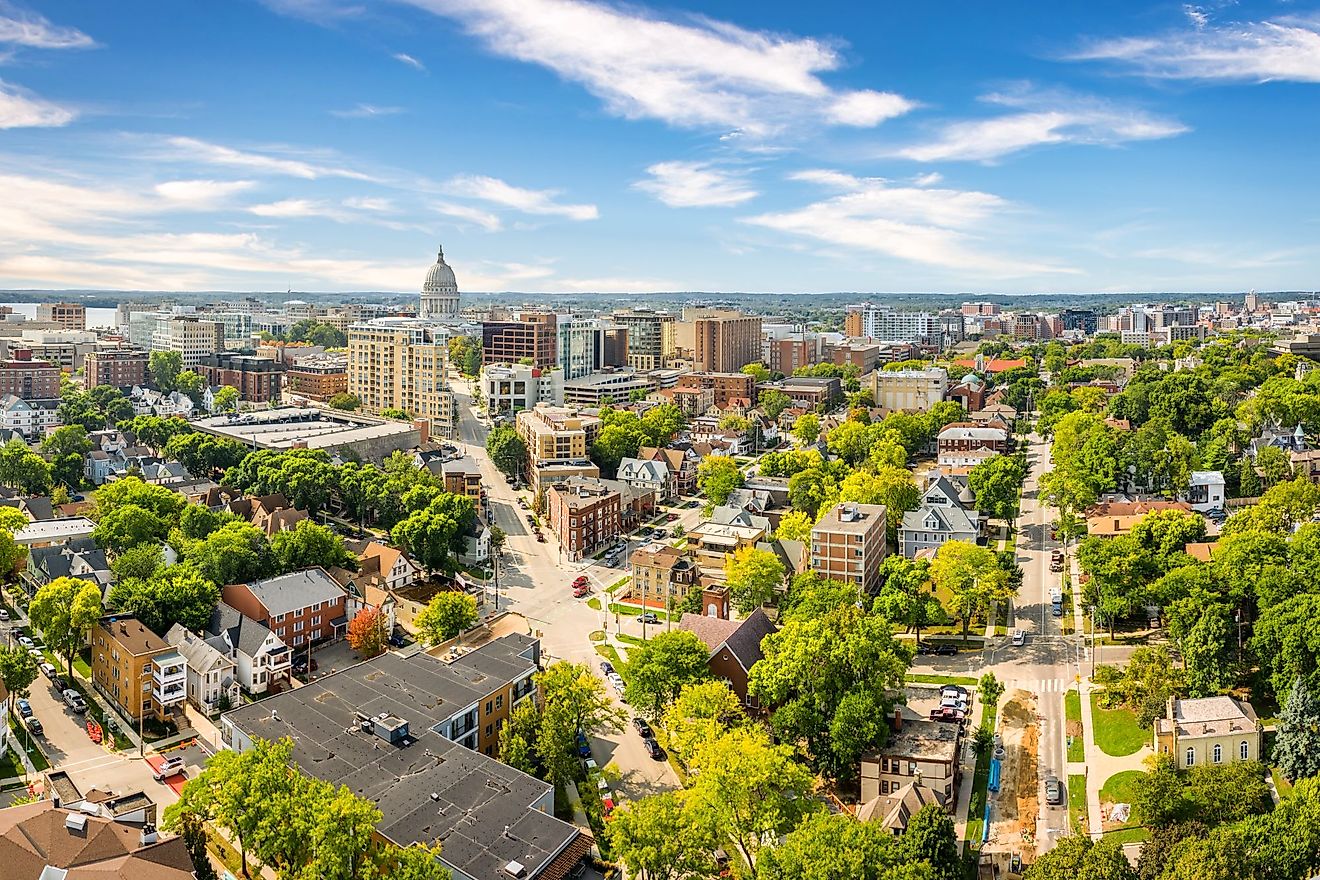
(1015, 811)
(1073, 729)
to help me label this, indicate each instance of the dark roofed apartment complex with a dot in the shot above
(390, 729)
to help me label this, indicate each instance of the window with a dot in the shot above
(1244, 750)
(316, 620)
(1191, 756)
(1218, 754)
(489, 730)
(499, 701)
(489, 707)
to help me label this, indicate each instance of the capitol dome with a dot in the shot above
(439, 291)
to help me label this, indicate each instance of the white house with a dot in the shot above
(259, 655)
(1206, 491)
(646, 474)
(212, 672)
(30, 418)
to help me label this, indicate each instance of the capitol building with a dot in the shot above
(439, 291)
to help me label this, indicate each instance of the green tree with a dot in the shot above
(807, 429)
(659, 669)
(507, 450)
(204, 455)
(235, 553)
(65, 610)
(154, 431)
(18, 669)
(165, 367)
(1144, 685)
(757, 371)
(972, 579)
(838, 847)
(518, 737)
(434, 535)
(345, 401)
(930, 838)
(746, 790)
(445, 616)
(190, 383)
(193, 832)
(1297, 746)
(174, 594)
(225, 399)
(308, 544)
(774, 402)
(996, 483)
(752, 575)
(703, 712)
(139, 562)
(990, 689)
(658, 839)
(574, 700)
(23, 469)
(717, 477)
(1076, 858)
(65, 448)
(129, 526)
(795, 526)
(133, 491)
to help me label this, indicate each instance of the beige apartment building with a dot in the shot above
(908, 390)
(192, 338)
(724, 340)
(70, 316)
(849, 543)
(399, 363)
(557, 441)
(652, 340)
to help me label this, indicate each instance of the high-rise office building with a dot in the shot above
(725, 341)
(651, 337)
(531, 336)
(399, 363)
(577, 345)
(193, 338)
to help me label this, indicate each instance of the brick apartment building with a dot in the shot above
(297, 607)
(786, 355)
(849, 543)
(136, 669)
(24, 376)
(319, 377)
(120, 367)
(726, 387)
(584, 513)
(726, 341)
(534, 336)
(257, 379)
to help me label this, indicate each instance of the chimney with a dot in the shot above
(898, 718)
(148, 835)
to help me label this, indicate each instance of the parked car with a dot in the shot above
(1055, 793)
(48, 670)
(74, 700)
(4, 615)
(648, 617)
(579, 592)
(670, 517)
(24, 708)
(171, 766)
(1019, 638)
(653, 749)
(618, 685)
(33, 724)
(300, 664)
(1056, 609)
(606, 805)
(583, 747)
(36, 654)
(659, 533)
(396, 640)
(607, 668)
(956, 691)
(948, 714)
(531, 519)
(580, 580)
(946, 650)
(26, 642)
(57, 684)
(1056, 566)
(643, 728)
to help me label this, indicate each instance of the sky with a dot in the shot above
(593, 146)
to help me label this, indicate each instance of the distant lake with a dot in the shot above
(96, 317)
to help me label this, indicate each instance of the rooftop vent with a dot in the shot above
(392, 729)
(148, 835)
(515, 869)
(78, 822)
(849, 513)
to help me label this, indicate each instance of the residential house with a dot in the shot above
(661, 575)
(136, 670)
(149, 402)
(944, 514)
(1206, 491)
(78, 557)
(917, 750)
(1112, 518)
(462, 476)
(710, 542)
(260, 657)
(212, 672)
(43, 533)
(37, 508)
(967, 444)
(46, 840)
(650, 474)
(300, 607)
(734, 645)
(390, 565)
(682, 463)
(271, 514)
(1274, 435)
(30, 419)
(893, 811)
(1208, 731)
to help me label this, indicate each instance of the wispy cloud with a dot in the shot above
(926, 225)
(694, 73)
(20, 27)
(528, 201)
(366, 111)
(19, 108)
(1042, 118)
(1285, 48)
(484, 219)
(405, 58)
(218, 154)
(201, 194)
(695, 185)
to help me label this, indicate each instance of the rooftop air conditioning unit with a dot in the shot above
(515, 869)
(78, 822)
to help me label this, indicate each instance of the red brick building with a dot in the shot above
(298, 607)
(257, 379)
(28, 378)
(728, 387)
(121, 367)
(734, 645)
(584, 513)
(319, 377)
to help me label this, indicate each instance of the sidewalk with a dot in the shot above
(1094, 759)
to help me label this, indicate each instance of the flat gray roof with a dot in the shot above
(315, 428)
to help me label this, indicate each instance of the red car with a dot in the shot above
(580, 580)
(579, 592)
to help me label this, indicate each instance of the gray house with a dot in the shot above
(944, 514)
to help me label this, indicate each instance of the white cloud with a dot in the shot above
(529, 201)
(217, 154)
(405, 58)
(699, 73)
(19, 108)
(200, 193)
(23, 28)
(928, 179)
(485, 219)
(694, 184)
(1285, 48)
(288, 208)
(1044, 118)
(366, 111)
(936, 227)
(369, 203)
(616, 285)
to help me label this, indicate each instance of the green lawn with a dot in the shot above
(1131, 834)
(629, 640)
(593, 603)
(976, 807)
(630, 610)
(610, 653)
(1072, 707)
(920, 678)
(614, 587)
(1077, 801)
(1120, 788)
(1117, 732)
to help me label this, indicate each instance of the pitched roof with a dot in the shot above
(384, 555)
(245, 634)
(741, 637)
(951, 519)
(200, 654)
(35, 838)
(295, 590)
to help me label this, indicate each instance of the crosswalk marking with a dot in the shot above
(1043, 686)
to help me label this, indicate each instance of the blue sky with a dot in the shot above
(575, 145)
